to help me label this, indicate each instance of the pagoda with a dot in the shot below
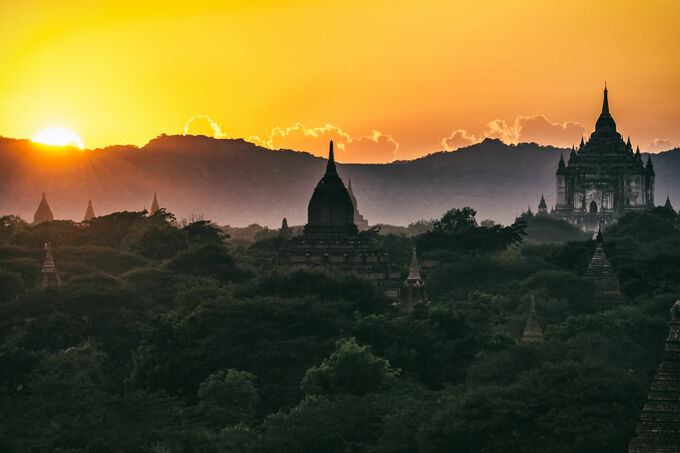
(601, 272)
(285, 232)
(413, 288)
(89, 212)
(331, 240)
(49, 274)
(43, 213)
(542, 207)
(532, 331)
(668, 204)
(154, 205)
(659, 427)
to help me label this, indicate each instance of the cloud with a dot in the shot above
(371, 148)
(203, 125)
(661, 144)
(535, 128)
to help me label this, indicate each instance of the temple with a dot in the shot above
(413, 288)
(89, 212)
(359, 220)
(43, 213)
(331, 240)
(542, 207)
(285, 232)
(154, 205)
(603, 179)
(532, 331)
(659, 427)
(668, 204)
(49, 274)
(601, 272)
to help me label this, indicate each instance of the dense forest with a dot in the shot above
(165, 338)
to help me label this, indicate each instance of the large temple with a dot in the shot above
(331, 239)
(603, 179)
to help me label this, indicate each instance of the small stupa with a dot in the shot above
(43, 213)
(154, 205)
(285, 232)
(601, 272)
(89, 212)
(532, 331)
(413, 289)
(659, 427)
(50, 276)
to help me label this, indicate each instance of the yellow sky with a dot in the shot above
(392, 79)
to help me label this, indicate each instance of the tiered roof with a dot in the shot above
(532, 331)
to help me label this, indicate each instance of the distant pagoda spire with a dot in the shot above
(154, 205)
(50, 277)
(542, 206)
(659, 427)
(650, 167)
(89, 212)
(668, 204)
(601, 272)
(582, 143)
(529, 212)
(43, 213)
(413, 289)
(285, 232)
(532, 331)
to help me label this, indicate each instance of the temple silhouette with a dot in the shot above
(331, 239)
(603, 179)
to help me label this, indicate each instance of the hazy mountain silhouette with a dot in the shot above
(235, 182)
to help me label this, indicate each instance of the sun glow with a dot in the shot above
(58, 136)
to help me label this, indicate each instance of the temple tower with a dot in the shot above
(330, 213)
(601, 272)
(542, 207)
(413, 289)
(89, 212)
(668, 204)
(359, 220)
(43, 213)
(532, 331)
(154, 205)
(659, 427)
(49, 274)
(285, 232)
(603, 179)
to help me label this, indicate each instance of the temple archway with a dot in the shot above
(593, 207)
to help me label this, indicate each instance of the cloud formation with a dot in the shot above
(661, 144)
(203, 125)
(375, 147)
(535, 128)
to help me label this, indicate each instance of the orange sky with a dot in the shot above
(387, 80)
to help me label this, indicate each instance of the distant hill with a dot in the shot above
(238, 183)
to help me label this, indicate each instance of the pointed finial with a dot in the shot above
(605, 101)
(330, 167)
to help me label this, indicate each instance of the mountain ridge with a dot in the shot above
(232, 181)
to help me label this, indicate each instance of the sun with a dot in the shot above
(58, 136)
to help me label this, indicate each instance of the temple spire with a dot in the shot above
(50, 277)
(89, 212)
(154, 205)
(413, 288)
(43, 213)
(330, 166)
(532, 331)
(605, 101)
